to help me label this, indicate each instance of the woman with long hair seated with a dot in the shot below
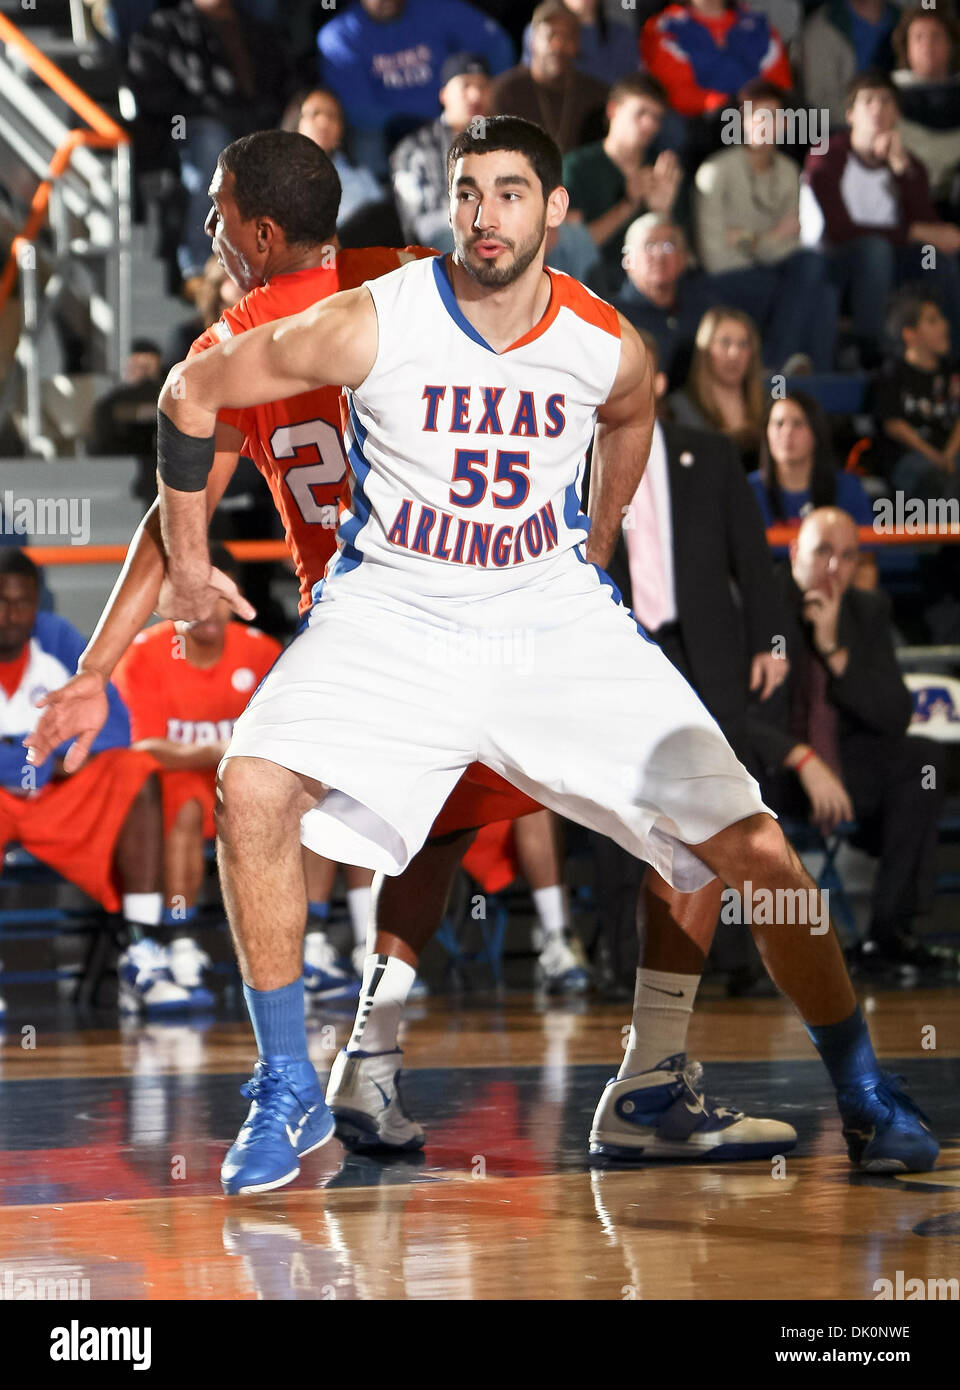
(798, 472)
(318, 114)
(724, 389)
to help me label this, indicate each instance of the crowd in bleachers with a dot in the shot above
(769, 191)
(796, 165)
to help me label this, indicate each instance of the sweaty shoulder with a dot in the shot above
(357, 264)
(578, 300)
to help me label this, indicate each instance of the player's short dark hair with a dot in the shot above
(485, 134)
(285, 176)
(639, 84)
(905, 309)
(870, 80)
(15, 561)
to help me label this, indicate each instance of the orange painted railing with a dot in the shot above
(104, 134)
(276, 550)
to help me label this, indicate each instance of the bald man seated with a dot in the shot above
(834, 738)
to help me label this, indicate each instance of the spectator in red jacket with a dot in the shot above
(706, 51)
(867, 203)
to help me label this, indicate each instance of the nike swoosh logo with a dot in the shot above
(674, 993)
(386, 1098)
(294, 1134)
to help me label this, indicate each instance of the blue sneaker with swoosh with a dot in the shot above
(886, 1132)
(663, 1114)
(288, 1119)
(363, 1094)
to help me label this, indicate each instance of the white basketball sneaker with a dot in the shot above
(147, 985)
(561, 967)
(362, 1093)
(662, 1113)
(325, 976)
(187, 964)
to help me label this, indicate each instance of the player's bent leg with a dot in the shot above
(655, 1108)
(884, 1130)
(363, 1090)
(146, 982)
(259, 808)
(561, 964)
(326, 976)
(183, 868)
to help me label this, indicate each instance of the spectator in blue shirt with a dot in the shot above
(383, 58)
(608, 47)
(798, 473)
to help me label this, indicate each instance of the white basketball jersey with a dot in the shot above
(466, 462)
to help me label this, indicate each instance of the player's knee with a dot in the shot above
(254, 797)
(764, 848)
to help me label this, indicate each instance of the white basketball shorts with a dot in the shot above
(387, 694)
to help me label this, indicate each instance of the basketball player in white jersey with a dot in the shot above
(475, 384)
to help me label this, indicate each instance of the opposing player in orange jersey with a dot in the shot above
(184, 684)
(288, 260)
(275, 198)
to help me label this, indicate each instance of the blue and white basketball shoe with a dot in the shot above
(146, 982)
(885, 1130)
(561, 967)
(187, 964)
(663, 1114)
(363, 1094)
(287, 1120)
(325, 976)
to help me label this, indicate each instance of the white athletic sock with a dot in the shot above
(358, 905)
(146, 909)
(383, 993)
(551, 905)
(662, 1005)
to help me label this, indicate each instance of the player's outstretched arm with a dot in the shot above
(333, 343)
(78, 709)
(621, 446)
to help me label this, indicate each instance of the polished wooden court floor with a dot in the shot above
(111, 1139)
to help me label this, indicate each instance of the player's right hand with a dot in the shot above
(78, 710)
(192, 598)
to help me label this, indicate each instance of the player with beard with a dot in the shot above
(465, 512)
(385, 810)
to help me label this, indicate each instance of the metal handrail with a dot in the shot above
(104, 134)
(70, 178)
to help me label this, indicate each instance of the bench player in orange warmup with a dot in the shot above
(184, 684)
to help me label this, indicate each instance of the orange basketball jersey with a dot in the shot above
(169, 698)
(297, 444)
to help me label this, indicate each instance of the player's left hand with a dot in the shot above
(193, 598)
(77, 710)
(767, 672)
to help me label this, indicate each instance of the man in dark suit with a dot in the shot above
(839, 724)
(693, 565)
